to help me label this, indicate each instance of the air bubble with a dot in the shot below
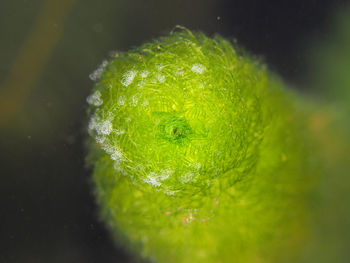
(128, 77)
(117, 155)
(152, 179)
(198, 68)
(95, 99)
(104, 127)
(98, 72)
(100, 139)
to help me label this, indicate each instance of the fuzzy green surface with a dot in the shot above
(199, 154)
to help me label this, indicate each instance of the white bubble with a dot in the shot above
(128, 77)
(117, 155)
(107, 148)
(95, 99)
(95, 75)
(98, 72)
(100, 139)
(104, 127)
(145, 103)
(152, 179)
(198, 68)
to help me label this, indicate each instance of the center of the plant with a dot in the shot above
(173, 128)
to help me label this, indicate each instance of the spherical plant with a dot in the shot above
(199, 154)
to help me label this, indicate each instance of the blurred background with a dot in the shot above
(48, 48)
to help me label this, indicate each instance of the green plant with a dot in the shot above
(200, 154)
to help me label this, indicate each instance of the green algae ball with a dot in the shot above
(198, 153)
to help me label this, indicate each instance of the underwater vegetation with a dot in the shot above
(201, 154)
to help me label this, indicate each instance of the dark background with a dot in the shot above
(47, 210)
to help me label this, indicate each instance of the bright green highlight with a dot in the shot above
(199, 154)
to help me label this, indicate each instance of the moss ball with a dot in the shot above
(197, 152)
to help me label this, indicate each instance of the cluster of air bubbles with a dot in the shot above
(94, 76)
(155, 179)
(152, 179)
(100, 139)
(102, 127)
(128, 77)
(117, 154)
(95, 99)
(198, 68)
